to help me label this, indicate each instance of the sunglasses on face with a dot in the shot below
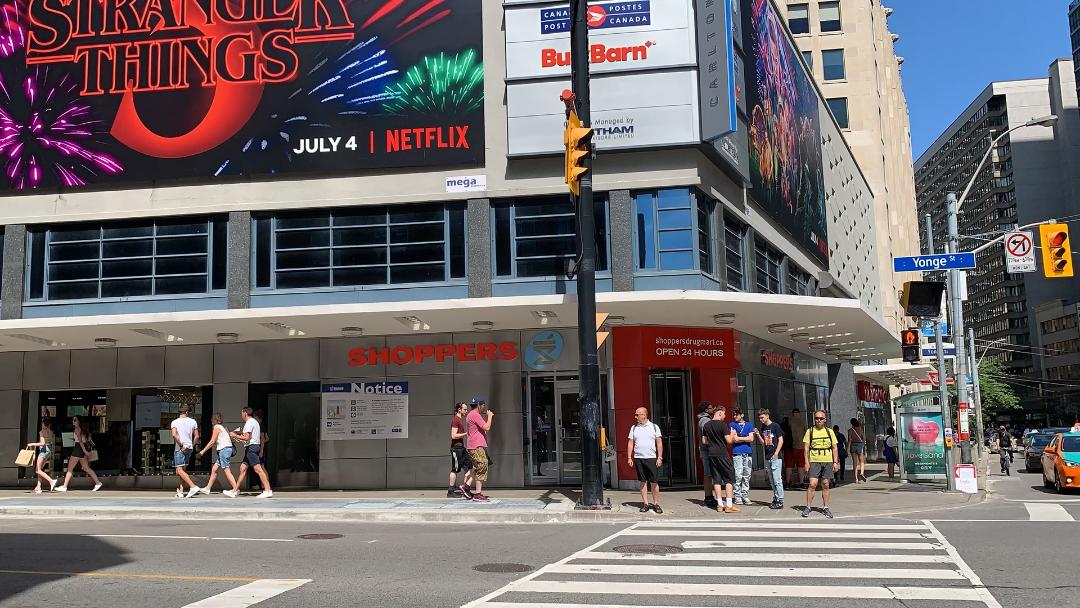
(816, 418)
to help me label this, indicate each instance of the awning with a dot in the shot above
(893, 373)
(830, 329)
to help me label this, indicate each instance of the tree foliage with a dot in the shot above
(997, 392)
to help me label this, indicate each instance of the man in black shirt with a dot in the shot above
(771, 436)
(717, 435)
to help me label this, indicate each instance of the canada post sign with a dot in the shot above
(602, 15)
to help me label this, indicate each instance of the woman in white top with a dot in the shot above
(220, 440)
(80, 455)
(44, 455)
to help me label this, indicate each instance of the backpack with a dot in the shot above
(828, 435)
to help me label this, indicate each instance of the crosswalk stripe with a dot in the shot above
(744, 533)
(1047, 512)
(546, 605)
(860, 573)
(785, 544)
(729, 556)
(741, 590)
(775, 526)
(250, 594)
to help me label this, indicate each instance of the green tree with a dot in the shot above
(997, 393)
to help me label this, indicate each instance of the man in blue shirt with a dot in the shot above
(743, 453)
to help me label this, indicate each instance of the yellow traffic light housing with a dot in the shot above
(1056, 250)
(576, 137)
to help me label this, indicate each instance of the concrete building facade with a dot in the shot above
(1059, 340)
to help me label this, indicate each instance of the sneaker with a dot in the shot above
(193, 491)
(37, 490)
(205, 490)
(179, 493)
(97, 486)
(732, 509)
(61, 488)
(657, 509)
(229, 493)
(480, 498)
(466, 492)
(644, 508)
(265, 494)
(828, 513)
(710, 503)
(453, 493)
(52, 485)
(805, 512)
(776, 506)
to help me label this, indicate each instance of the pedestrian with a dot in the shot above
(185, 434)
(1005, 454)
(251, 435)
(80, 455)
(1075, 427)
(459, 458)
(705, 412)
(892, 457)
(821, 460)
(264, 444)
(772, 437)
(44, 455)
(645, 452)
(222, 443)
(719, 436)
(477, 427)
(798, 448)
(743, 455)
(841, 443)
(857, 449)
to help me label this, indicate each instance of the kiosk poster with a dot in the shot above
(365, 410)
(923, 444)
(94, 92)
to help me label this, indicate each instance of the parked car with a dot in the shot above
(1036, 445)
(1061, 462)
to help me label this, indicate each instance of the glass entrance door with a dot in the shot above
(569, 420)
(670, 392)
(554, 430)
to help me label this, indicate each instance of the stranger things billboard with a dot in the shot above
(99, 91)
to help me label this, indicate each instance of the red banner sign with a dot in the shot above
(675, 347)
(875, 393)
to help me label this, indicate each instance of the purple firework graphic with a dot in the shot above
(45, 128)
(12, 32)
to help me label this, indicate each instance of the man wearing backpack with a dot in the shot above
(821, 461)
(645, 452)
(705, 412)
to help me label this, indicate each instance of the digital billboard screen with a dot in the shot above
(784, 131)
(94, 92)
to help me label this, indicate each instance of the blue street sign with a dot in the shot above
(927, 328)
(930, 352)
(941, 261)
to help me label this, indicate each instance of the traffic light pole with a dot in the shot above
(943, 385)
(956, 313)
(979, 438)
(592, 486)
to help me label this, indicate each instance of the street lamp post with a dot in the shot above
(975, 363)
(954, 281)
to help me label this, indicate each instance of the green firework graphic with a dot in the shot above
(439, 83)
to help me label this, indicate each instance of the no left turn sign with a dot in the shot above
(1019, 252)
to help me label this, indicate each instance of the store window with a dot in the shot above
(129, 259)
(832, 64)
(536, 237)
(839, 107)
(398, 245)
(799, 18)
(767, 262)
(734, 253)
(829, 16)
(798, 281)
(672, 224)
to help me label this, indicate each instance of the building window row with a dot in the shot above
(1059, 324)
(537, 237)
(839, 107)
(798, 16)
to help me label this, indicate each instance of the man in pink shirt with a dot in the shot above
(477, 425)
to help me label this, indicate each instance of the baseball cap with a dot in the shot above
(704, 406)
(475, 401)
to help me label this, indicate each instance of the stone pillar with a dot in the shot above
(239, 260)
(478, 218)
(14, 272)
(621, 237)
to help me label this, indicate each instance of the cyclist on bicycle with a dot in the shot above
(1004, 446)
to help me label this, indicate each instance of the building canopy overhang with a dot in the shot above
(829, 329)
(893, 373)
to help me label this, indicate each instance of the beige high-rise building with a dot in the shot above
(848, 45)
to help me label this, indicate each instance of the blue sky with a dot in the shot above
(954, 48)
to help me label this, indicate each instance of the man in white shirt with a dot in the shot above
(645, 452)
(185, 434)
(252, 436)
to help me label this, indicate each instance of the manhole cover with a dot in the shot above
(502, 567)
(648, 549)
(319, 536)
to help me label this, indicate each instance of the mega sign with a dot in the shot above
(95, 91)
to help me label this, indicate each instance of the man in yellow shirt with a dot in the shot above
(821, 461)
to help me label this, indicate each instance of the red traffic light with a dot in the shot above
(909, 337)
(1057, 238)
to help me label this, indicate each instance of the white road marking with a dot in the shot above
(868, 573)
(731, 556)
(168, 537)
(741, 525)
(986, 596)
(740, 590)
(251, 593)
(535, 605)
(744, 533)
(1041, 511)
(784, 544)
(1057, 500)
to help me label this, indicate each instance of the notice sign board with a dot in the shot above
(365, 410)
(1019, 252)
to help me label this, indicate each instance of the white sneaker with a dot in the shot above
(52, 485)
(37, 490)
(61, 488)
(179, 494)
(266, 494)
(97, 486)
(193, 491)
(205, 490)
(229, 493)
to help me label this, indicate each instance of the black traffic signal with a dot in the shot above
(922, 298)
(909, 345)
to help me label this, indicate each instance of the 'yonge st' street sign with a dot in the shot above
(941, 261)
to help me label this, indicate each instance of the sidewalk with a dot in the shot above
(879, 497)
